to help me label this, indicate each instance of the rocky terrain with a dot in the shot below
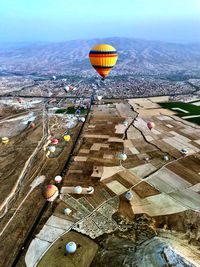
(135, 56)
(138, 245)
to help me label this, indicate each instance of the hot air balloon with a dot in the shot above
(82, 119)
(122, 156)
(5, 140)
(90, 190)
(52, 149)
(32, 125)
(150, 125)
(67, 211)
(51, 193)
(165, 157)
(66, 88)
(99, 97)
(78, 189)
(54, 141)
(125, 123)
(184, 152)
(128, 195)
(58, 179)
(67, 138)
(78, 112)
(103, 58)
(71, 247)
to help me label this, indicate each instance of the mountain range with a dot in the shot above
(136, 56)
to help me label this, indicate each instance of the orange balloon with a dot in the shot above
(103, 58)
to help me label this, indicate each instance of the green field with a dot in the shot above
(70, 110)
(192, 110)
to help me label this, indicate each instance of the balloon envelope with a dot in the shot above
(51, 193)
(184, 152)
(103, 58)
(5, 140)
(58, 179)
(67, 211)
(150, 125)
(99, 97)
(78, 189)
(54, 141)
(122, 156)
(71, 247)
(129, 195)
(52, 149)
(67, 138)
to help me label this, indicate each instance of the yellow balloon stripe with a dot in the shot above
(103, 57)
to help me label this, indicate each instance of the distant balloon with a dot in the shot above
(51, 193)
(78, 112)
(78, 189)
(82, 119)
(67, 88)
(71, 247)
(184, 152)
(103, 58)
(32, 125)
(129, 195)
(5, 140)
(165, 157)
(52, 149)
(67, 138)
(125, 123)
(90, 190)
(99, 97)
(58, 179)
(67, 211)
(150, 125)
(54, 141)
(122, 156)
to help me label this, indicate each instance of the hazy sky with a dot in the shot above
(60, 20)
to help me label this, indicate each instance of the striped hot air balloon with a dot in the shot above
(103, 58)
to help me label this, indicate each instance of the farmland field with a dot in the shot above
(186, 111)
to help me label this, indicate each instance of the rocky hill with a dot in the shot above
(135, 56)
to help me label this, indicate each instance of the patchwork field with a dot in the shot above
(187, 111)
(162, 181)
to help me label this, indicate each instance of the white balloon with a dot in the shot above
(78, 189)
(52, 149)
(58, 179)
(67, 211)
(71, 247)
(123, 156)
(129, 195)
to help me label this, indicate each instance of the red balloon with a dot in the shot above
(150, 125)
(54, 141)
(32, 125)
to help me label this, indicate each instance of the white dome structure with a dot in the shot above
(67, 211)
(71, 247)
(122, 156)
(78, 189)
(128, 195)
(90, 190)
(58, 179)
